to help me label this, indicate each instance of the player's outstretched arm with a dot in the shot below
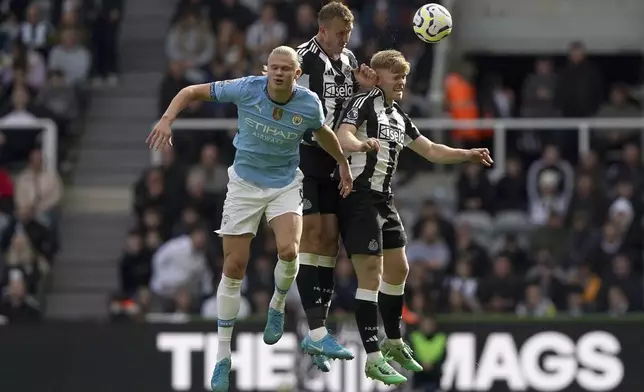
(197, 92)
(161, 135)
(440, 153)
(350, 143)
(329, 142)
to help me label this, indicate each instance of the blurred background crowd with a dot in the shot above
(51, 54)
(557, 233)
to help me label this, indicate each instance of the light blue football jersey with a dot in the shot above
(269, 133)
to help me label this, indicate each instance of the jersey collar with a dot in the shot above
(279, 103)
(383, 97)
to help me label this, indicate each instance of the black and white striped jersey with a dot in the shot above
(390, 125)
(332, 80)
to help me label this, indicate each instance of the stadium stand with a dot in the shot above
(554, 234)
(49, 51)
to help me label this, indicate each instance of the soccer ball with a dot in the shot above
(432, 23)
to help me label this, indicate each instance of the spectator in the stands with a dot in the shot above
(587, 200)
(39, 235)
(511, 193)
(305, 25)
(189, 218)
(152, 220)
(475, 191)
(431, 211)
(231, 50)
(59, 99)
(628, 167)
(579, 85)
(215, 174)
(232, 10)
(201, 200)
(71, 20)
(105, 39)
(515, 252)
(191, 41)
(467, 246)
(266, 33)
(172, 83)
(584, 234)
(135, 265)
(21, 256)
(623, 277)
(6, 190)
(618, 304)
(72, 58)
(611, 141)
(20, 110)
(39, 188)
(150, 193)
(539, 91)
(550, 276)
(17, 305)
(35, 31)
(498, 101)
(535, 303)
(589, 164)
(25, 66)
(430, 249)
(462, 286)
(550, 183)
(603, 251)
(498, 292)
(180, 266)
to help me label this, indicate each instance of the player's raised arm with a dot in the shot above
(440, 153)
(224, 91)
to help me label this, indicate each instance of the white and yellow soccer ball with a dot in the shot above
(432, 23)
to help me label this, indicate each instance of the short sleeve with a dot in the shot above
(411, 131)
(227, 91)
(357, 110)
(317, 115)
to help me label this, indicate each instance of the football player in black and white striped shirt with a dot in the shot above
(331, 71)
(371, 229)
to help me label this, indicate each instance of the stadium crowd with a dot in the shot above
(552, 236)
(49, 52)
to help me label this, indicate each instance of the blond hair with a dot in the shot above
(335, 10)
(284, 51)
(391, 60)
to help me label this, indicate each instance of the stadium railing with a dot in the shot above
(582, 125)
(49, 137)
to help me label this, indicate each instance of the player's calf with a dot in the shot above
(236, 253)
(391, 303)
(287, 228)
(316, 277)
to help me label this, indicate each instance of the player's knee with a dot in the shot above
(329, 244)
(369, 272)
(396, 275)
(312, 234)
(235, 265)
(287, 252)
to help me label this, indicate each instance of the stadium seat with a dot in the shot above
(516, 222)
(480, 223)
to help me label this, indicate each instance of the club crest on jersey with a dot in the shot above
(352, 114)
(297, 119)
(277, 113)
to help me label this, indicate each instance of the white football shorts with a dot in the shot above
(246, 203)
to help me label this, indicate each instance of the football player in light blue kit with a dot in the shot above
(274, 114)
